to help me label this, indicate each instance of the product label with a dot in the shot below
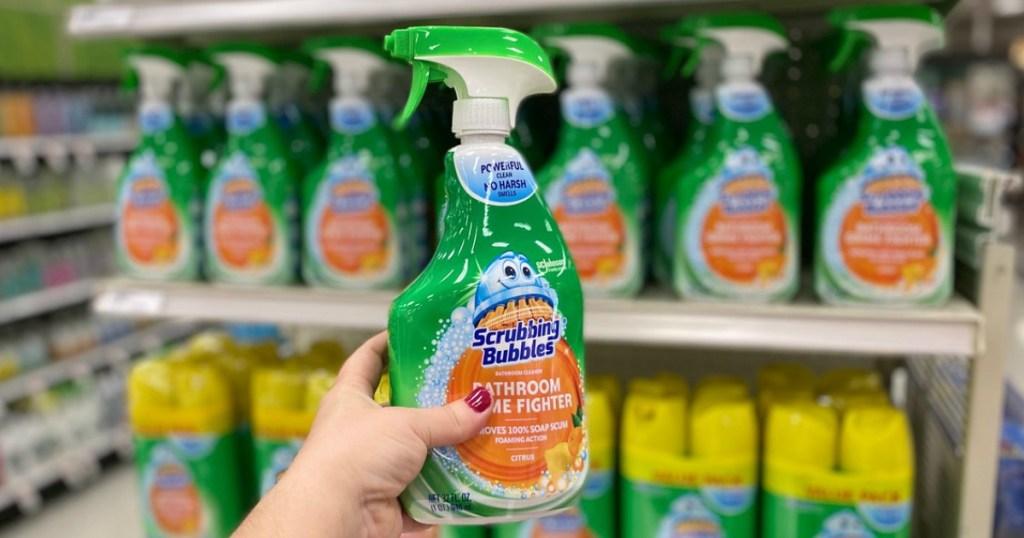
(743, 101)
(831, 505)
(881, 230)
(352, 115)
(273, 457)
(584, 203)
(893, 98)
(510, 339)
(587, 107)
(737, 234)
(149, 228)
(495, 175)
(349, 231)
(241, 226)
(667, 496)
(244, 117)
(155, 117)
(188, 485)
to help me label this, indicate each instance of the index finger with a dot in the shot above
(362, 370)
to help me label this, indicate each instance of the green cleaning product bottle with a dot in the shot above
(185, 449)
(701, 113)
(596, 181)
(594, 517)
(159, 190)
(287, 86)
(251, 218)
(886, 209)
(738, 221)
(354, 209)
(500, 303)
(200, 78)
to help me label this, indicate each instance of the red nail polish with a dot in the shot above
(479, 400)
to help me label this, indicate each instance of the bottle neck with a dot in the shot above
(471, 138)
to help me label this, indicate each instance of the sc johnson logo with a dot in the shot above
(532, 340)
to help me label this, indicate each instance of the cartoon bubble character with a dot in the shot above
(745, 162)
(845, 524)
(509, 277)
(689, 517)
(892, 161)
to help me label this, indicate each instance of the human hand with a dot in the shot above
(359, 457)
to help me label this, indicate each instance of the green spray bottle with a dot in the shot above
(886, 209)
(501, 292)
(701, 114)
(200, 77)
(354, 210)
(158, 193)
(737, 217)
(251, 219)
(596, 181)
(287, 86)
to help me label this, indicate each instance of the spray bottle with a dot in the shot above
(305, 146)
(701, 113)
(200, 78)
(159, 191)
(886, 209)
(251, 219)
(501, 268)
(737, 217)
(354, 208)
(596, 181)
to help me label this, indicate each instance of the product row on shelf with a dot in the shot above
(696, 180)
(36, 266)
(60, 181)
(58, 420)
(30, 110)
(708, 459)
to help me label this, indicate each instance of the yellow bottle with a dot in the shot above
(654, 414)
(802, 434)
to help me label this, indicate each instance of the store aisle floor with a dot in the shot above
(107, 508)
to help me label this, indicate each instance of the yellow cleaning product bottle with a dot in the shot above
(185, 449)
(820, 480)
(783, 383)
(708, 490)
(285, 400)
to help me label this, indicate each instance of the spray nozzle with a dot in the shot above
(351, 60)
(902, 33)
(746, 38)
(593, 50)
(154, 71)
(491, 70)
(249, 67)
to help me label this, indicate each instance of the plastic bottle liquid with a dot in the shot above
(886, 209)
(501, 268)
(158, 193)
(354, 207)
(596, 181)
(737, 222)
(251, 222)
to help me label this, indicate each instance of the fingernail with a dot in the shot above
(479, 400)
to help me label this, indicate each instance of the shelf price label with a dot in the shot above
(131, 302)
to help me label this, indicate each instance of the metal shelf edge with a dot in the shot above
(56, 222)
(45, 301)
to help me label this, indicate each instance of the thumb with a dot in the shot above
(454, 423)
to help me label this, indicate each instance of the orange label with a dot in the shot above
(149, 225)
(243, 229)
(891, 237)
(174, 500)
(593, 227)
(352, 231)
(534, 436)
(744, 235)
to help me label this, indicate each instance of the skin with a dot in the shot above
(358, 458)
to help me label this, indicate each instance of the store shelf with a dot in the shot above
(109, 354)
(112, 142)
(653, 319)
(46, 301)
(72, 467)
(57, 222)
